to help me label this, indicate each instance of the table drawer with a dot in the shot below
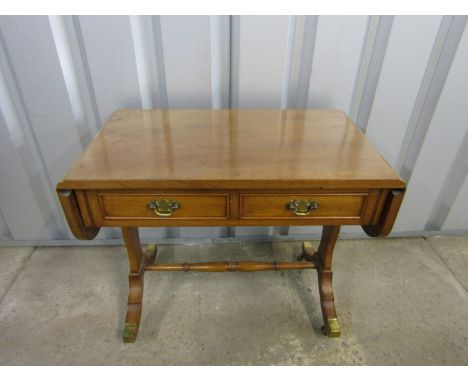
(155, 206)
(321, 206)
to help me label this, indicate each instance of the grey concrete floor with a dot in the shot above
(399, 301)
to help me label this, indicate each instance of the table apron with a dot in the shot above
(129, 208)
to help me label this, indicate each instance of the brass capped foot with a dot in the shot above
(150, 253)
(130, 332)
(331, 328)
(308, 251)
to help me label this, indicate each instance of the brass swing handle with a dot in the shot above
(164, 207)
(302, 207)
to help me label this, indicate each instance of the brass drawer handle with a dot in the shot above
(164, 207)
(302, 207)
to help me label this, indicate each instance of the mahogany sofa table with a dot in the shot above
(188, 168)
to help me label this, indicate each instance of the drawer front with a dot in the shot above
(142, 206)
(276, 206)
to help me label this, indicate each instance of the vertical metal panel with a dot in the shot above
(4, 231)
(43, 91)
(156, 67)
(288, 62)
(306, 59)
(62, 76)
(452, 186)
(146, 34)
(220, 28)
(186, 44)
(111, 58)
(262, 49)
(234, 62)
(80, 69)
(66, 59)
(297, 40)
(19, 207)
(373, 53)
(40, 99)
(400, 79)
(457, 218)
(366, 55)
(446, 44)
(336, 61)
(140, 45)
(439, 150)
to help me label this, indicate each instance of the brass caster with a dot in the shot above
(331, 328)
(150, 253)
(308, 251)
(130, 332)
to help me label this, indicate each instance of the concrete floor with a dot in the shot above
(399, 301)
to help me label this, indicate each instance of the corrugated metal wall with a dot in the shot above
(403, 79)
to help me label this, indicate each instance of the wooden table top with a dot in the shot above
(219, 149)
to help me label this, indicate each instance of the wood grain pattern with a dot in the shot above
(233, 266)
(230, 149)
(137, 261)
(230, 168)
(325, 276)
(275, 205)
(124, 208)
(192, 206)
(74, 216)
(390, 212)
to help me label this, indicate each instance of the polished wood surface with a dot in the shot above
(192, 206)
(275, 205)
(129, 208)
(230, 149)
(234, 266)
(137, 261)
(325, 276)
(80, 228)
(230, 168)
(391, 207)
